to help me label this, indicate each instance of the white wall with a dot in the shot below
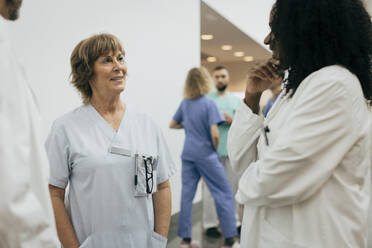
(250, 16)
(368, 4)
(161, 40)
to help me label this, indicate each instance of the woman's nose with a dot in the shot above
(119, 65)
(267, 39)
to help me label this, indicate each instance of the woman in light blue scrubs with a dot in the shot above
(114, 160)
(200, 117)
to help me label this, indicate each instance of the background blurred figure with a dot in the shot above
(115, 160)
(26, 216)
(200, 117)
(308, 178)
(227, 104)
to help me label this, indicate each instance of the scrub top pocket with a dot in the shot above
(158, 241)
(110, 239)
(145, 178)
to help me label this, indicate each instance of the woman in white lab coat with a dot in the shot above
(306, 180)
(115, 160)
(26, 215)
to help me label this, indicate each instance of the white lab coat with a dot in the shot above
(310, 186)
(26, 216)
(370, 204)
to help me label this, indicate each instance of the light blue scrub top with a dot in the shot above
(98, 163)
(226, 104)
(197, 116)
(269, 105)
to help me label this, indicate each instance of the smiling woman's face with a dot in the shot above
(109, 74)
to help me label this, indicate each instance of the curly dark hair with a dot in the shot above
(312, 34)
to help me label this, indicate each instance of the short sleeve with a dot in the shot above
(166, 166)
(214, 115)
(57, 150)
(178, 115)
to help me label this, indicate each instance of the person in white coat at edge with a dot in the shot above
(26, 215)
(114, 159)
(307, 165)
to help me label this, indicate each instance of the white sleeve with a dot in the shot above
(25, 209)
(309, 147)
(243, 137)
(57, 149)
(166, 166)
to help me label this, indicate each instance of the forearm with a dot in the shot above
(178, 126)
(175, 125)
(215, 141)
(215, 134)
(162, 208)
(65, 230)
(242, 138)
(253, 101)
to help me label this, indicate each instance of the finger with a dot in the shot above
(274, 70)
(254, 69)
(257, 64)
(257, 71)
(256, 78)
(269, 71)
(261, 73)
(276, 65)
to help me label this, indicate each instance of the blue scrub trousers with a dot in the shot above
(216, 180)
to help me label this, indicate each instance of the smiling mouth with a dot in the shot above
(117, 78)
(274, 55)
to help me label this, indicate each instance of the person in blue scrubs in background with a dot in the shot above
(200, 117)
(227, 103)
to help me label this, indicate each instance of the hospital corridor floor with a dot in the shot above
(197, 231)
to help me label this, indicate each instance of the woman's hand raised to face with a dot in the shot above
(260, 78)
(263, 76)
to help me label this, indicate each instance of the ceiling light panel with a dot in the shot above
(239, 54)
(211, 59)
(207, 36)
(248, 58)
(226, 47)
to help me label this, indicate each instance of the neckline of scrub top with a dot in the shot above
(105, 126)
(3, 28)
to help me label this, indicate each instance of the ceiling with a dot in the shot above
(225, 33)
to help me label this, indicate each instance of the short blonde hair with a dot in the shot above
(83, 57)
(198, 83)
